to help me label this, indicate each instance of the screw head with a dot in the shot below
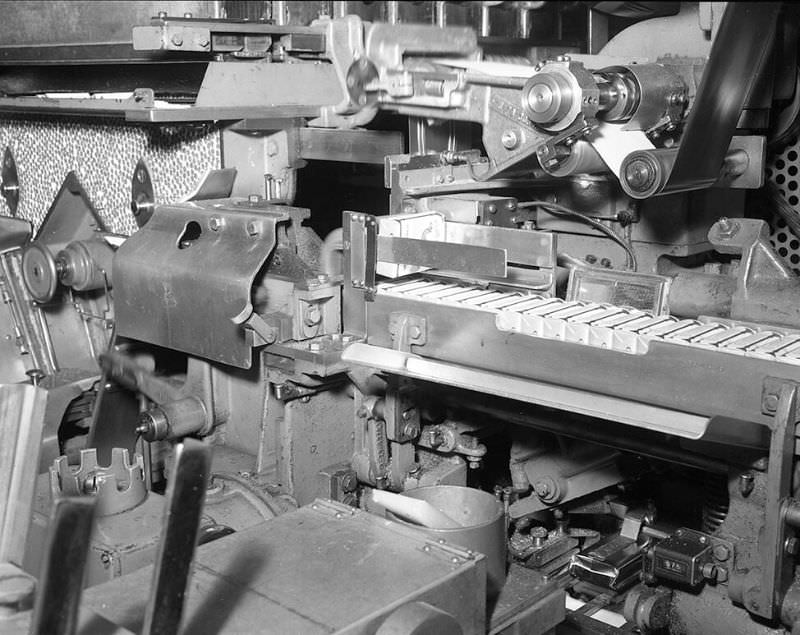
(542, 488)
(215, 223)
(771, 402)
(254, 228)
(721, 553)
(509, 139)
(639, 174)
(177, 39)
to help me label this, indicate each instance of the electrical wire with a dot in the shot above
(560, 210)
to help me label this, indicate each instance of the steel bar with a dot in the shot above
(56, 607)
(185, 497)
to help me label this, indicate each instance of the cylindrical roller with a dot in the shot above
(85, 265)
(173, 420)
(646, 172)
(582, 159)
(738, 55)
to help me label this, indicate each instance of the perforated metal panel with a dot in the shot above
(784, 171)
(103, 153)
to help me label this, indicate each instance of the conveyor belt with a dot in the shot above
(606, 326)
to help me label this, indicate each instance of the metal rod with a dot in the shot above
(55, 610)
(185, 497)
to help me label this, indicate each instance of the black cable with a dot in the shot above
(556, 209)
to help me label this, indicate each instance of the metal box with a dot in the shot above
(325, 568)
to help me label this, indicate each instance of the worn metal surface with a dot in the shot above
(320, 569)
(22, 411)
(157, 275)
(56, 608)
(185, 497)
(711, 380)
(353, 146)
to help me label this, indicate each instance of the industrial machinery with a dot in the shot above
(259, 260)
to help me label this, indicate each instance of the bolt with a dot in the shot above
(539, 535)
(791, 546)
(491, 208)
(771, 402)
(590, 258)
(409, 414)
(509, 139)
(162, 15)
(35, 375)
(605, 262)
(746, 483)
(187, 15)
(542, 488)
(177, 39)
(411, 430)
(721, 553)
(201, 41)
(254, 228)
(215, 223)
(726, 228)
(639, 174)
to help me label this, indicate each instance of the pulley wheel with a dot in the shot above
(39, 272)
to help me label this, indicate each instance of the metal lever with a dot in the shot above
(185, 496)
(55, 610)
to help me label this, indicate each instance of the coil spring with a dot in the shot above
(715, 502)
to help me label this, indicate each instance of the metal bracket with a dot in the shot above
(765, 597)
(185, 255)
(360, 241)
(407, 330)
(400, 413)
(770, 394)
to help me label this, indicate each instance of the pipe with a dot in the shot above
(613, 435)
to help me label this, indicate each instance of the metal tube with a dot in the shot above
(440, 14)
(280, 12)
(623, 437)
(392, 11)
(486, 22)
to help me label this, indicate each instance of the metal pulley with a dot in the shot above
(83, 265)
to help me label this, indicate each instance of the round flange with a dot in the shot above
(39, 272)
(9, 189)
(143, 197)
